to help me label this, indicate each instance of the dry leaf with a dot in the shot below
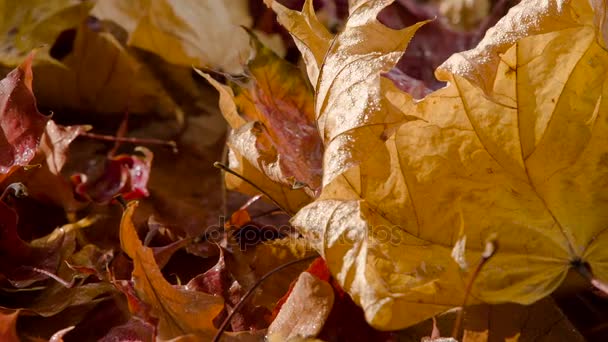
(21, 124)
(309, 34)
(514, 146)
(99, 75)
(280, 140)
(179, 310)
(305, 311)
(200, 33)
(541, 321)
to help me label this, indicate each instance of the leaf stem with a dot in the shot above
(234, 173)
(55, 277)
(490, 250)
(243, 299)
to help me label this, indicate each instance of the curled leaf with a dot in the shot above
(180, 311)
(126, 175)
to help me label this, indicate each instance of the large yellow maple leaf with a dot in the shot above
(514, 146)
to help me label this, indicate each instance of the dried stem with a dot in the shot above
(490, 250)
(243, 299)
(55, 277)
(143, 141)
(234, 173)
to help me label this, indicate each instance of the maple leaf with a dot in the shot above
(180, 311)
(20, 122)
(513, 146)
(199, 33)
(278, 103)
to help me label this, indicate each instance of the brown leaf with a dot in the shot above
(541, 321)
(99, 75)
(278, 96)
(179, 310)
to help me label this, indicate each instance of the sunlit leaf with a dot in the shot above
(306, 309)
(513, 147)
(310, 36)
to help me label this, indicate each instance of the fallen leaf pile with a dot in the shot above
(299, 170)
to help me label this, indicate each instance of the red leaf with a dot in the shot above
(21, 125)
(125, 175)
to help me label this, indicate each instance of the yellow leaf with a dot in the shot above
(186, 32)
(180, 312)
(26, 25)
(310, 36)
(513, 146)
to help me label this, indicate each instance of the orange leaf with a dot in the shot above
(179, 311)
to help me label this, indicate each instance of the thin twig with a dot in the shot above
(55, 277)
(143, 141)
(234, 173)
(243, 299)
